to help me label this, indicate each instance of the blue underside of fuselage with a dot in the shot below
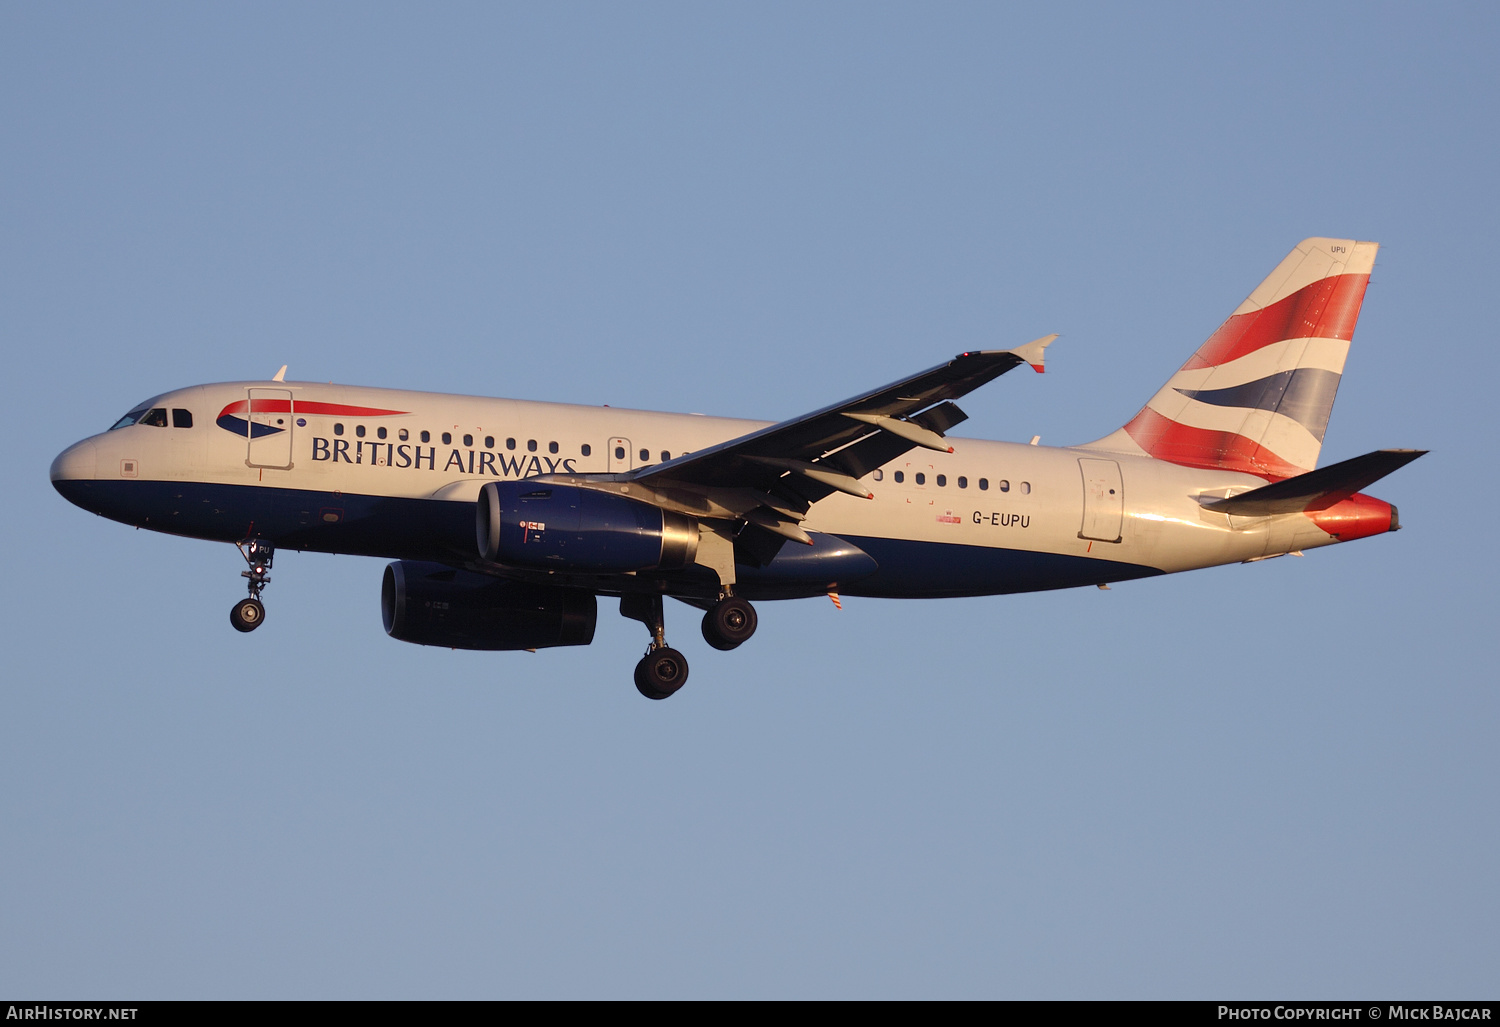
(421, 529)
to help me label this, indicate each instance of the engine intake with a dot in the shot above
(563, 527)
(434, 604)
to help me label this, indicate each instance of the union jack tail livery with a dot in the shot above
(1257, 395)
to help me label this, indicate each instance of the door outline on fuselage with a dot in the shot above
(273, 448)
(1103, 500)
(618, 465)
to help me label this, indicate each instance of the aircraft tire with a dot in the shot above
(247, 614)
(643, 686)
(661, 673)
(729, 624)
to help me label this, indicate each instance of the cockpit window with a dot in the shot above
(155, 416)
(182, 418)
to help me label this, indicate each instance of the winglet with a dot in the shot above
(280, 375)
(1033, 352)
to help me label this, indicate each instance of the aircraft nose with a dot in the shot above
(79, 462)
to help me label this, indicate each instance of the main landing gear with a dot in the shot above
(247, 614)
(729, 623)
(663, 670)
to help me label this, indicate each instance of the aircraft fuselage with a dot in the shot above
(989, 518)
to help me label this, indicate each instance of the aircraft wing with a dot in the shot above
(772, 476)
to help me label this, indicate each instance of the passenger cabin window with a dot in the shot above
(338, 429)
(403, 435)
(619, 452)
(942, 480)
(510, 443)
(447, 438)
(1025, 488)
(468, 440)
(984, 484)
(587, 450)
(665, 456)
(645, 454)
(380, 433)
(1003, 486)
(359, 430)
(182, 418)
(878, 475)
(963, 482)
(900, 477)
(531, 445)
(489, 442)
(427, 436)
(552, 447)
(921, 478)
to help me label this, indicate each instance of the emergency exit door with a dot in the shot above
(619, 455)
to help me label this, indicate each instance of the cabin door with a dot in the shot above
(1103, 500)
(270, 428)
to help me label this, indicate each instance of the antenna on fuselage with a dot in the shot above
(280, 375)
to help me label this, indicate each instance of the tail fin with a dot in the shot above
(1257, 395)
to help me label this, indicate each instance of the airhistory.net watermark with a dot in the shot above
(44, 1011)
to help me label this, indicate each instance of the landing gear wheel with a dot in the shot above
(660, 673)
(643, 686)
(247, 614)
(729, 623)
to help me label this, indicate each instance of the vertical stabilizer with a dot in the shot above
(1257, 395)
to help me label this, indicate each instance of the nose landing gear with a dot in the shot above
(247, 614)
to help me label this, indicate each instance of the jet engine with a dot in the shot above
(434, 604)
(565, 528)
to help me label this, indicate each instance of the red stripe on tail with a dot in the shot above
(1166, 439)
(1326, 309)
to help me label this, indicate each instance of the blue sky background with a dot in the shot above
(1272, 780)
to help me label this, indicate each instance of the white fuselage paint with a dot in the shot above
(1163, 526)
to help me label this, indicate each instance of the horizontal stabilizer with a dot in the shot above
(1316, 490)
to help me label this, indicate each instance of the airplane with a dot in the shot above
(507, 519)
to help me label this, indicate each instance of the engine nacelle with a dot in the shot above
(434, 604)
(565, 528)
